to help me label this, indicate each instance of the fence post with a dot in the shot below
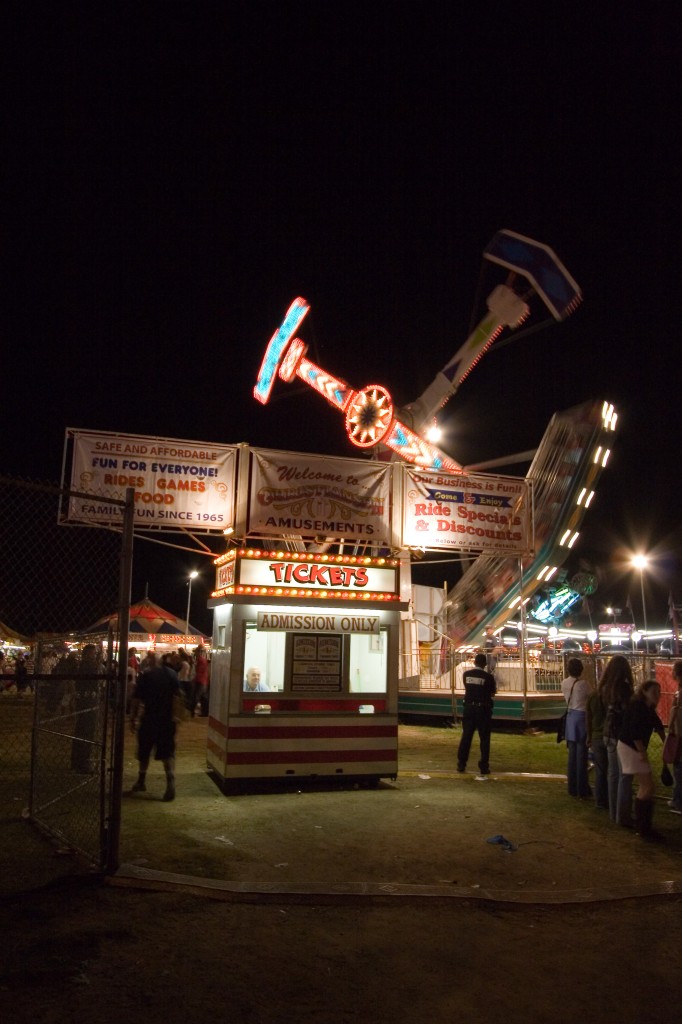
(125, 578)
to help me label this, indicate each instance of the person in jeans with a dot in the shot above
(576, 690)
(617, 687)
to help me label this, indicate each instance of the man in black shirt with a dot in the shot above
(479, 690)
(156, 688)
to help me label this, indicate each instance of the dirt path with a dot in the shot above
(357, 905)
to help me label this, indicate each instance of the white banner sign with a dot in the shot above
(490, 514)
(313, 496)
(177, 483)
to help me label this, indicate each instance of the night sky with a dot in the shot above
(176, 173)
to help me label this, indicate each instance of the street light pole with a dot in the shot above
(641, 586)
(193, 575)
(640, 562)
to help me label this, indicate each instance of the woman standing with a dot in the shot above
(675, 729)
(576, 691)
(639, 721)
(617, 687)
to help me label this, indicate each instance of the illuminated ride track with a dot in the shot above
(563, 474)
(495, 589)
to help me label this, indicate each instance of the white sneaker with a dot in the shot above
(482, 778)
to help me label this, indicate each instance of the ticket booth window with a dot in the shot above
(306, 663)
(368, 667)
(265, 651)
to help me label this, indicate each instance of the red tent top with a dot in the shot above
(147, 617)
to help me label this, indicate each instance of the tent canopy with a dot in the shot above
(147, 617)
(11, 636)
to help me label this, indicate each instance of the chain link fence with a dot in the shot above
(59, 688)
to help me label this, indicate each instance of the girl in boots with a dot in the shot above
(639, 721)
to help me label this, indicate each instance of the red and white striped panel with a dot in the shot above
(265, 746)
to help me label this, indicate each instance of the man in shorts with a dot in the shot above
(156, 688)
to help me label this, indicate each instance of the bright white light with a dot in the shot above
(434, 434)
(597, 454)
(589, 498)
(581, 496)
(606, 457)
(573, 539)
(565, 538)
(193, 575)
(640, 561)
(609, 416)
(551, 573)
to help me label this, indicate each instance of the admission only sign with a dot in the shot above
(487, 514)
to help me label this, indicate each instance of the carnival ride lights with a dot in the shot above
(556, 605)
(564, 466)
(304, 556)
(370, 418)
(369, 413)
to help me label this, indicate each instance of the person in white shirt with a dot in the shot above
(253, 683)
(576, 691)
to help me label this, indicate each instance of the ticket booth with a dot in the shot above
(304, 673)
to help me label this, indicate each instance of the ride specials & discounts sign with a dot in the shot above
(466, 513)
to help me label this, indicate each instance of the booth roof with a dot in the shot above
(146, 617)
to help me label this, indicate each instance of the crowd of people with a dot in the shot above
(614, 723)
(192, 670)
(15, 672)
(607, 728)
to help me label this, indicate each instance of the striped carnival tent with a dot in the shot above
(147, 618)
